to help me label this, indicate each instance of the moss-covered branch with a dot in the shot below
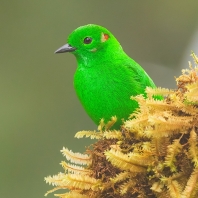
(155, 153)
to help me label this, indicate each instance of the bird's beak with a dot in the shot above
(65, 48)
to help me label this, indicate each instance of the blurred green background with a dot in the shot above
(39, 110)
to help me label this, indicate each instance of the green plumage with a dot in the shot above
(106, 76)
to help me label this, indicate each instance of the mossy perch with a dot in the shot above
(154, 154)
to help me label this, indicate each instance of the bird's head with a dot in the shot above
(89, 41)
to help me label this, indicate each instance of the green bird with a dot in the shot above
(106, 77)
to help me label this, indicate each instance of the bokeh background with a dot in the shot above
(39, 110)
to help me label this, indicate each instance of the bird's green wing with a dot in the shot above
(140, 78)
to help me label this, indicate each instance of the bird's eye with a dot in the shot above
(87, 40)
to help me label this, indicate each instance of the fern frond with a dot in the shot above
(160, 105)
(54, 189)
(195, 58)
(111, 122)
(90, 134)
(114, 134)
(172, 151)
(140, 99)
(137, 124)
(72, 181)
(120, 177)
(177, 102)
(191, 94)
(183, 106)
(83, 182)
(124, 162)
(174, 189)
(191, 185)
(167, 124)
(157, 91)
(156, 119)
(124, 188)
(55, 180)
(76, 158)
(101, 125)
(189, 109)
(139, 118)
(140, 158)
(70, 168)
(193, 149)
(143, 108)
(170, 121)
(159, 145)
(159, 132)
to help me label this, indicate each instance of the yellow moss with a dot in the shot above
(153, 155)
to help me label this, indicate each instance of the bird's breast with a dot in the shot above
(104, 92)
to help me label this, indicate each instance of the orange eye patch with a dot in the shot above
(104, 37)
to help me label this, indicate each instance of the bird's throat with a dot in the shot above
(97, 57)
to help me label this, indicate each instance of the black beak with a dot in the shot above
(65, 48)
